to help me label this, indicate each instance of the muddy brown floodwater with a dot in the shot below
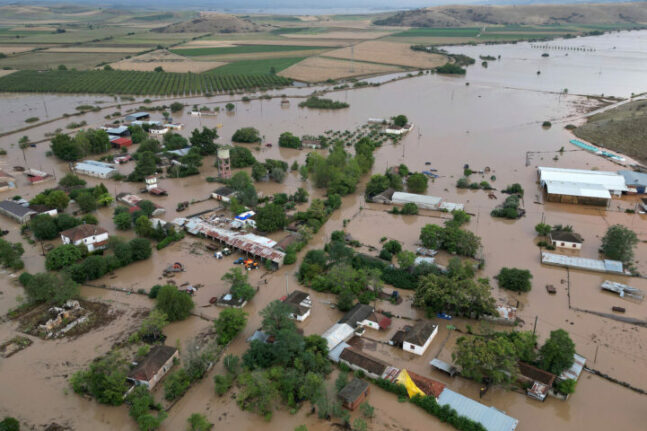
(494, 122)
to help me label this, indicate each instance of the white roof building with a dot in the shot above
(94, 168)
(580, 182)
(337, 333)
(490, 417)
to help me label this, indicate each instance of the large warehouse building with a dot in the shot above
(577, 186)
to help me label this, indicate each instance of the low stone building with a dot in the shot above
(564, 239)
(154, 366)
(354, 393)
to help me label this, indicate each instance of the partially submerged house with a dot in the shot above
(230, 300)
(154, 366)
(92, 236)
(337, 334)
(418, 339)
(424, 201)
(223, 194)
(300, 303)
(20, 213)
(357, 315)
(565, 239)
(356, 359)
(94, 168)
(138, 116)
(578, 186)
(606, 265)
(540, 381)
(36, 176)
(7, 181)
(354, 393)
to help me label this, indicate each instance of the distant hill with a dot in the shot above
(209, 22)
(566, 14)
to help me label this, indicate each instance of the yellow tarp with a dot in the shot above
(405, 379)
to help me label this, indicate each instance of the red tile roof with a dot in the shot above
(83, 231)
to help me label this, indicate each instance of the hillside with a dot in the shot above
(628, 14)
(621, 129)
(212, 23)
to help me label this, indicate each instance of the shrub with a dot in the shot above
(514, 279)
(175, 304)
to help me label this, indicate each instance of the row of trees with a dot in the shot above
(86, 142)
(451, 237)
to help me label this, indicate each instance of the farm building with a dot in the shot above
(636, 181)
(138, 116)
(94, 168)
(16, 211)
(121, 142)
(7, 181)
(354, 393)
(606, 265)
(36, 176)
(397, 130)
(254, 245)
(418, 339)
(491, 418)
(424, 201)
(223, 194)
(577, 186)
(337, 334)
(564, 239)
(358, 360)
(300, 303)
(92, 236)
(154, 366)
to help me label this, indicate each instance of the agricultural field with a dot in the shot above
(42, 60)
(253, 67)
(390, 53)
(319, 69)
(150, 39)
(242, 49)
(132, 82)
(167, 60)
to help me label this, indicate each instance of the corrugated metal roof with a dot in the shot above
(609, 180)
(423, 201)
(94, 168)
(334, 354)
(582, 263)
(576, 369)
(337, 333)
(577, 189)
(491, 418)
(634, 178)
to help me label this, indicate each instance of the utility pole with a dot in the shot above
(534, 328)
(287, 274)
(597, 345)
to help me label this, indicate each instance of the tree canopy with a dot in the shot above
(229, 323)
(514, 279)
(619, 243)
(270, 218)
(556, 355)
(246, 135)
(175, 304)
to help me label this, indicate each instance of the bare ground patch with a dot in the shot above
(167, 60)
(390, 53)
(317, 69)
(15, 49)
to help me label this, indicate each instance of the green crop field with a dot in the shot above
(246, 67)
(136, 83)
(243, 49)
(439, 32)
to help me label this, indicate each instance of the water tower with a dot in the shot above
(224, 167)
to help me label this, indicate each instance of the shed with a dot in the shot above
(118, 131)
(223, 194)
(356, 315)
(384, 197)
(337, 333)
(121, 142)
(443, 366)
(354, 393)
(154, 366)
(541, 380)
(358, 360)
(300, 303)
(580, 186)
(138, 116)
(12, 209)
(423, 201)
(574, 372)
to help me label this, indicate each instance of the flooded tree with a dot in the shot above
(491, 359)
(557, 353)
(229, 323)
(175, 304)
(619, 243)
(417, 183)
(514, 279)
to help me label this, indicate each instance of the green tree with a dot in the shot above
(400, 120)
(368, 411)
(619, 243)
(86, 202)
(57, 199)
(241, 157)
(152, 325)
(566, 387)
(377, 184)
(417, 183)
(542, 229)
(44, 227)
(276, 317)
(313, 387)
(557, 353)
(105, 199)
(514, 279)
(406, 259)
(140, 248)
(137, 134)
(486, 358)
(51, 287)
(198, 422)
(10, 255)
(62, 256)
(65, 148)
(346, 299)
(392, 246)
(229, 323)
(288, 140)
(71, 180)
(259, 171)
(174, 141)
(123, 220)
(105, 379)
(246, 135)
(204, 140)
(230, 107)
(176, 106)
(144, 227)
(270, 218)
(146, 166)
(432, 236)
(9, 424)
(175, 304)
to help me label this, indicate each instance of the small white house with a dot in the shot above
(563, 239)
(418, 339)
(223, 194)
(93, 237)
(300, 303)
(158, 131)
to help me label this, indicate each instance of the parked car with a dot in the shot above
(218, 255)
(226, 251)
(239, 261)
(444, 316)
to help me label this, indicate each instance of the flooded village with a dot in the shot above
(419, 257)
